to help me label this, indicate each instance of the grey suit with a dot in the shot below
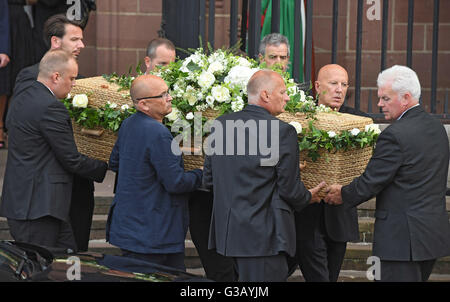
(253, 210)
(42, 158)
(408, 175)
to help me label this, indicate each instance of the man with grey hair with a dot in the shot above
(160, 52)
(254, 204)
(274, 49)
(408, 175)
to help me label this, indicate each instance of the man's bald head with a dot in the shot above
(144, 86)
(150, 96)
(58, 70)
(266, 88)
(54, 61)
(331, 85)
(261, 80)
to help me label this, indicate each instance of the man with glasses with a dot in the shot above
(148, 218)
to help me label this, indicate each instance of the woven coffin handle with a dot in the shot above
(92, 132)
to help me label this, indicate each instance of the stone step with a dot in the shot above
(355, 256)
(99, 224)
(366, 225)
(367, 209)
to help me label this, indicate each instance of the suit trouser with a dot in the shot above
(45, 231)
(320, 258)
(262, 269)
(406, 271)
(82, 210)
(217, 267)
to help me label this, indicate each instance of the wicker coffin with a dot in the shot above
(101, 91)
(334, 168)
(98, 143)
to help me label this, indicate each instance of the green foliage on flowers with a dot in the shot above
(109, 117)
(313, 139)
(125, 80)
(217, 79)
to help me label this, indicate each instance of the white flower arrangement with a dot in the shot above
(218, 81)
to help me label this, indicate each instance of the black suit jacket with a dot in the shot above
(26, 77)
(341, 223)
(408, 175)
(82, 205)
(253, 209)
(42, 157)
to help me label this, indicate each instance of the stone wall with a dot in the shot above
(118, 32)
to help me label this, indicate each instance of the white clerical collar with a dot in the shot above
(407, 111)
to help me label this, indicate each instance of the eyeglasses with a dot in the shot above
(164, 95)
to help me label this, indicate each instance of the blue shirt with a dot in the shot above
(149, 213)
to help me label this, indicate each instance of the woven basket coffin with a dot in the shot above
(340, 167)
(101, 91)
(98, 143)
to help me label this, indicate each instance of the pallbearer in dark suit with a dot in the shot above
(408, 175)
(43, 157)
(256, 191)
(324, 230)
(62, 33)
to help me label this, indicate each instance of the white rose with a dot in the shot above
(215, 67)
(189, 116)
(221, 94)
(190, 95)
(172, 116)
(206, 79)
(355, 131)
(297, 126)
(244, 62)
(112, 105)
(210, 101)
(238, 104)
(302, 95)
(125, 107)
(293, 90)
(373, 127)
(239, 76)
(80, 101)
(192, 99)
(331, 133)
